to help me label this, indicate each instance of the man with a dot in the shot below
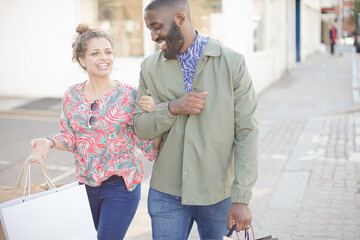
(205, 112)
(332, 36)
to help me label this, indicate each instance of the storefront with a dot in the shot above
(123, 19)
(37, 43)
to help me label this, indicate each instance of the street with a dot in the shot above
(16, 134)
(309, 163)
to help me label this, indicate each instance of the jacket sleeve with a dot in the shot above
(146, 146)
(155, 123)
(246, 135)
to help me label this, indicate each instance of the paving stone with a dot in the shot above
(316, 234)
(335, 234)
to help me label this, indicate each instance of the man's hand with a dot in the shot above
(240, 214)
(190, 103)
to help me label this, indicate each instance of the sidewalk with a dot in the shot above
(308, 186)
(42, 107)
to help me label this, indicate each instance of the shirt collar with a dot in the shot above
(195, 45)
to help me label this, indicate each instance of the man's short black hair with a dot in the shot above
(167, 5)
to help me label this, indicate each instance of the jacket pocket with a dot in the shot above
(220, 161)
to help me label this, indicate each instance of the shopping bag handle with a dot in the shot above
(247, 235)
(25, 169)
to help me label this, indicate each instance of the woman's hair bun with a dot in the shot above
(81, 28)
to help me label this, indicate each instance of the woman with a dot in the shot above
(96, 127)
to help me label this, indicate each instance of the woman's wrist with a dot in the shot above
(52, 142)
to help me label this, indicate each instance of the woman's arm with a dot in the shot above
(157, 142)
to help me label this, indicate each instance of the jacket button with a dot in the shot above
(185, 173)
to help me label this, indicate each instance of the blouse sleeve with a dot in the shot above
(66, 135)
(146, 146)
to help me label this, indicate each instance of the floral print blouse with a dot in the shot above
(108, 147)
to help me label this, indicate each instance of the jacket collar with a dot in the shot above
(211, 49)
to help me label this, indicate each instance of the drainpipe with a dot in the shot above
(287, 39)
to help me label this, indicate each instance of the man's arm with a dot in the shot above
(245, 148)
(153, 124)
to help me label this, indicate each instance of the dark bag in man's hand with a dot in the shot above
(247, 235)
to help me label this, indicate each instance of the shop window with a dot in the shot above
(259, 25)
(122, 19)
(348, 11)
(206, 17)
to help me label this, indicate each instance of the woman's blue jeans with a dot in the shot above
(170, 220)
(113, 207)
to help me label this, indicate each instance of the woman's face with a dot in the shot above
(99, 57)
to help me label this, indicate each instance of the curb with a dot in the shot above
(355, 78)
(31, 113)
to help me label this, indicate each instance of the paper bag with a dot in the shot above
(12, 192)
(9, 193)
(18, 195)
(59, 214)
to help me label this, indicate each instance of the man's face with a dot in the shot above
(165, 32)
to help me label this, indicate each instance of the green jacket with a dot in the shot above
(200, 154)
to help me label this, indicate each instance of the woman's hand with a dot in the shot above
(147, 103)
(157, 143)
(41, 147)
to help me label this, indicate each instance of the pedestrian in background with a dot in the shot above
(96, 126)
(332, 36)
(206, 112)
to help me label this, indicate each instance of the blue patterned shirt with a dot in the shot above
(189, 59)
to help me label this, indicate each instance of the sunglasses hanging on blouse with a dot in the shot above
(93, 119)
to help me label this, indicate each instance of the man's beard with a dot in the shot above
(174, 40)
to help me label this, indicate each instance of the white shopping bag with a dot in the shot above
(58, 214)
(62, 213)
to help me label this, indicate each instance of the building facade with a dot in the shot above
(345, 12)
(272, 34)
